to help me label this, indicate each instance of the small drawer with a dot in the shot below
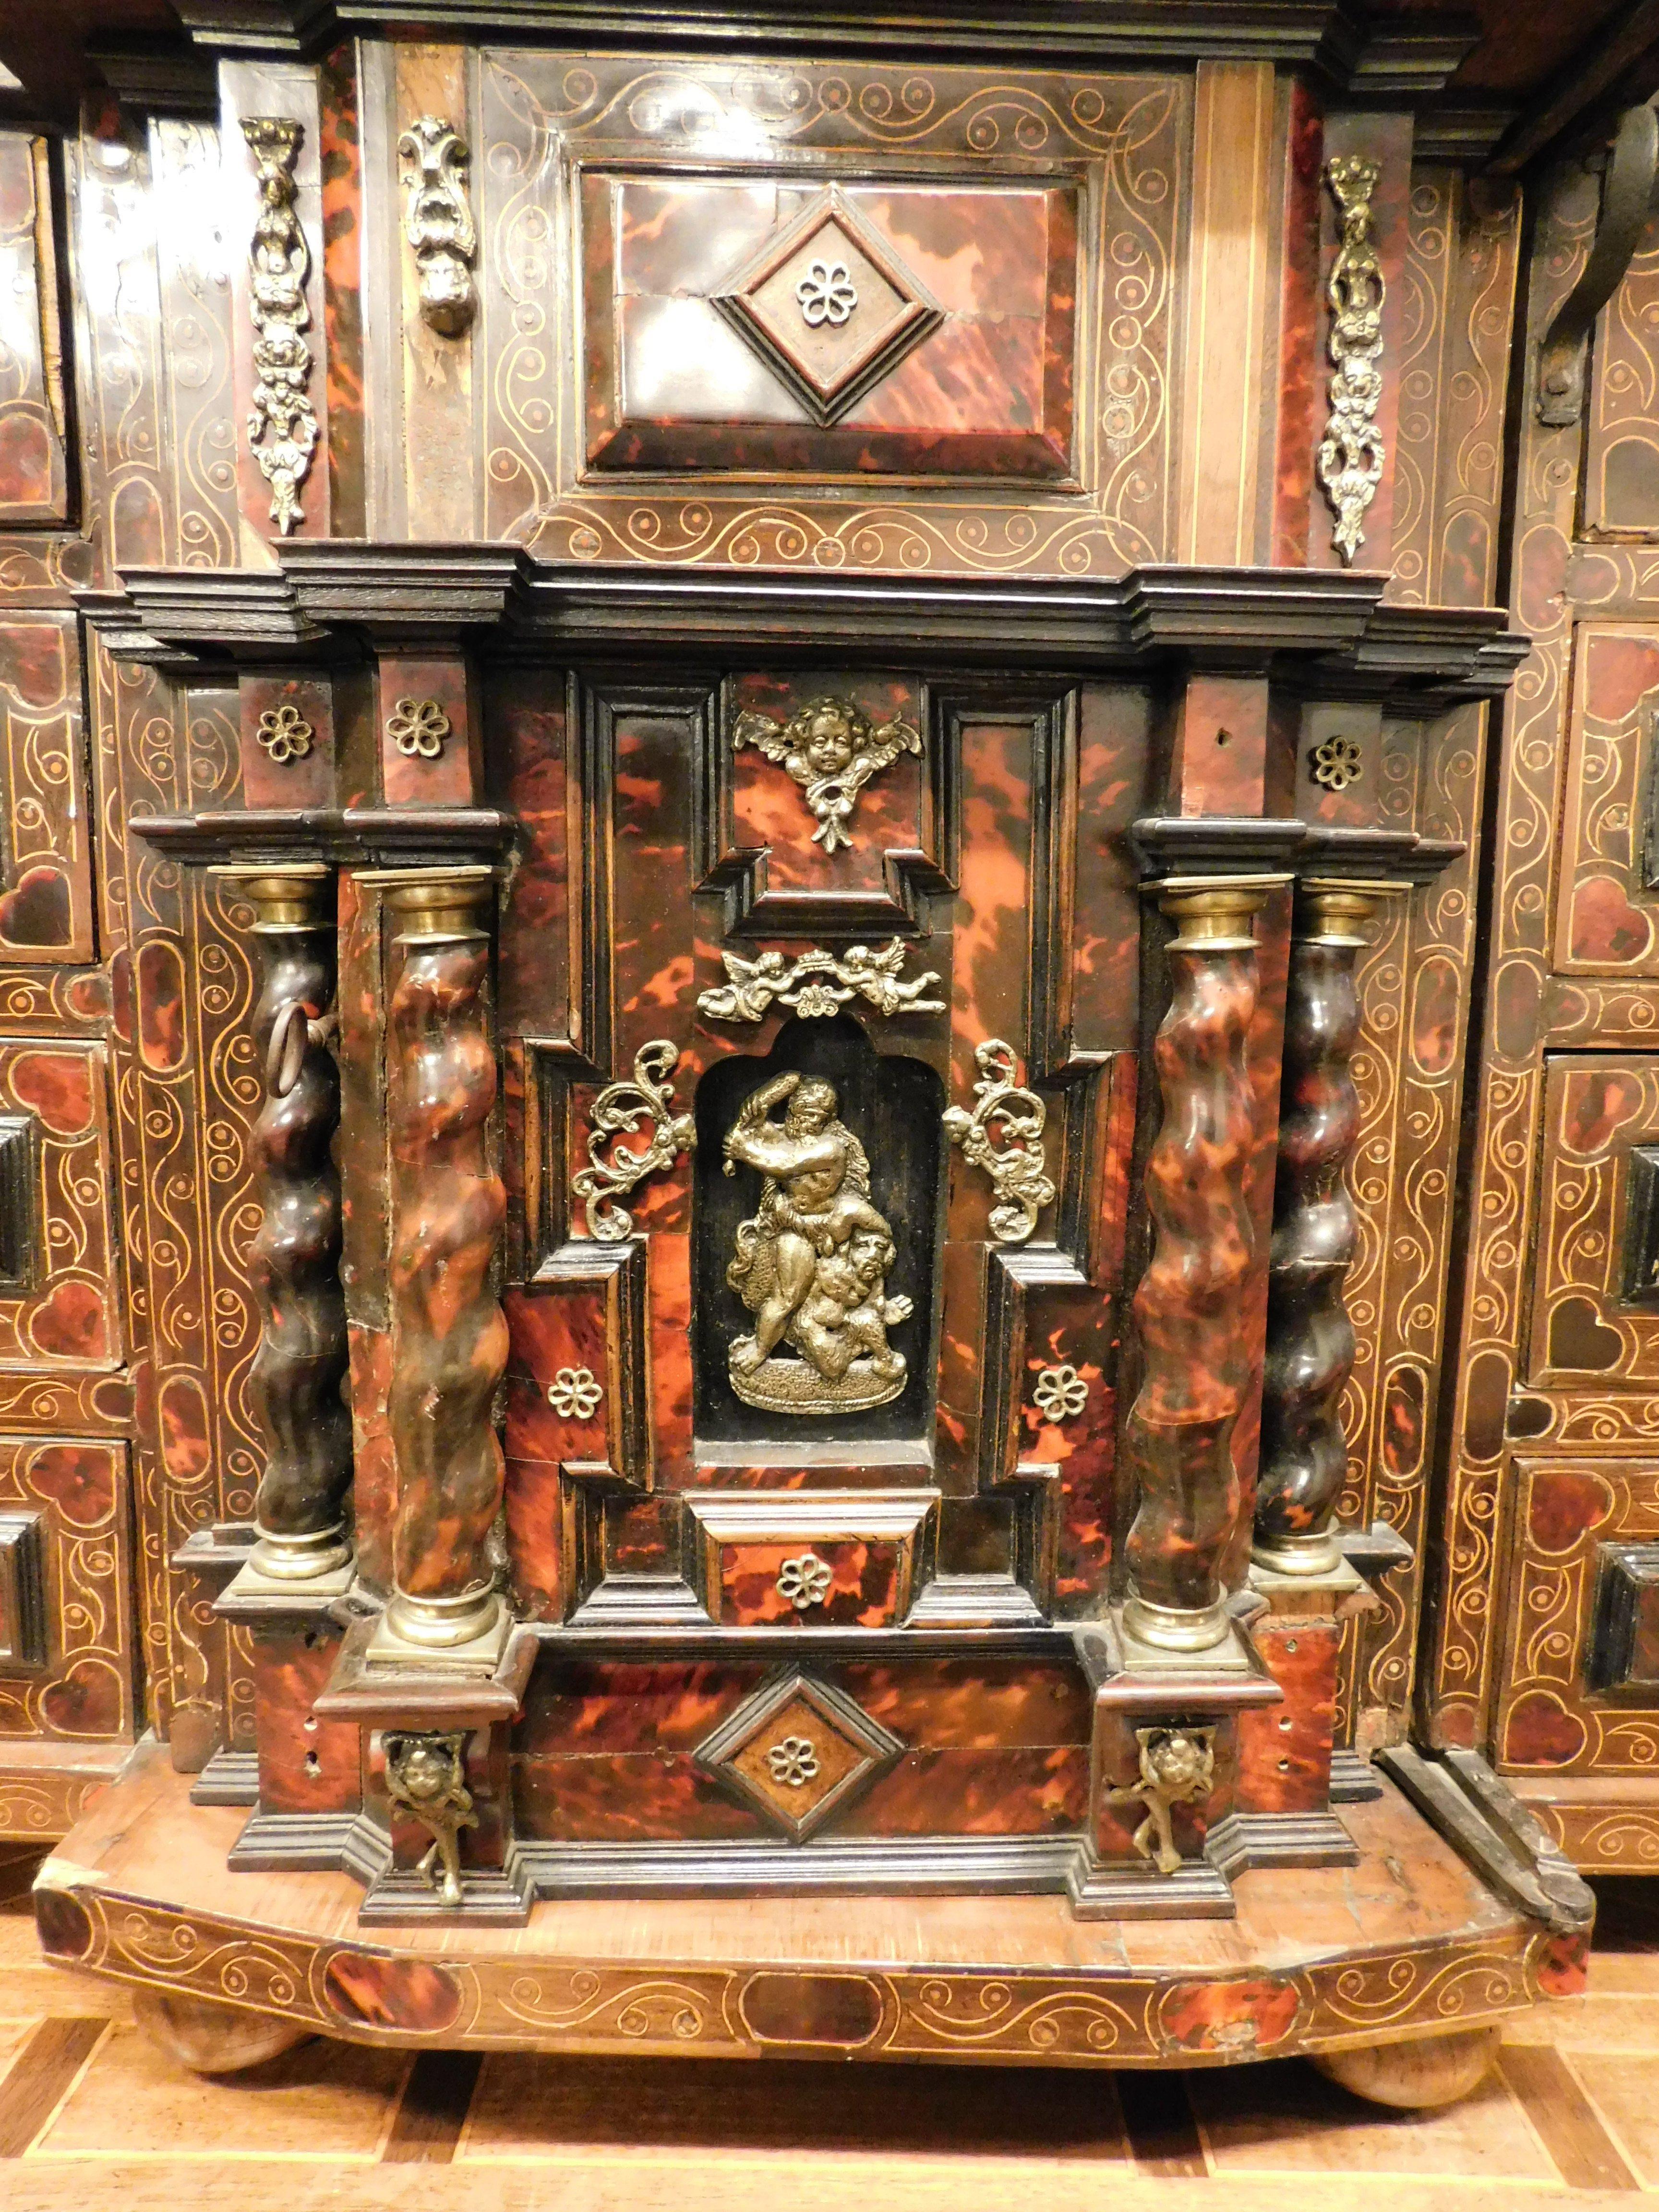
(811, 1559)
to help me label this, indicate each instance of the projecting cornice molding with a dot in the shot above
(1401, 58)
(1328, 630)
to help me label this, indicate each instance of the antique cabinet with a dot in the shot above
(786, 752)
(1543, 1657)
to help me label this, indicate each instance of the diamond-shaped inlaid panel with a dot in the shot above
(798, 1750)
(828, 305)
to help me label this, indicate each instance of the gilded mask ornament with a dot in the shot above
(812, 1262)
(831, 749)
(1177, 1767)
(425, 1778)
(282, 424)
(438, 222)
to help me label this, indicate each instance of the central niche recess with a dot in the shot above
(815, 1255)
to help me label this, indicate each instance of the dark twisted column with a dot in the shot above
(1310, 1341)
(1189, 1308)
(449, 1338)
(293, 1264)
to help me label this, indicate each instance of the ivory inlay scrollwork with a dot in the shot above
(831, 749)
(282, 422)
(437, 221)
(1017, 1166)
(1350, 459)
(812, 1262)
(618, 1111)
(818, 983)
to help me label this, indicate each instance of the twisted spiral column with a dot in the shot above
(1310, 1340)
(449, 1337)
(1189, 1309)
(293, 1264)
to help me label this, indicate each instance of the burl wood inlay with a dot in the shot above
(1189, 1309)
(449, 1335)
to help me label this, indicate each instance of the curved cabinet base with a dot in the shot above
(1349, 1961)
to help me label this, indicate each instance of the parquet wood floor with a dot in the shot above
(91, 2117)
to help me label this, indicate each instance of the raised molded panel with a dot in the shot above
(45, 870)
(897, 330)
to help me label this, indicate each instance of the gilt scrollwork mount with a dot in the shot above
(831, 749)
(620, 1110)
(1351, 454)
(438, 222)
(1017, 1165)
(282, 422)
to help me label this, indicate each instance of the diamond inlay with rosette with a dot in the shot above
(828, 305)
(797, 1751)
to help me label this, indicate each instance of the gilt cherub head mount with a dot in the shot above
(831, 749)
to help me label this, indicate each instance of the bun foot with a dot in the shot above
(1434, 2069)
(212, 2039)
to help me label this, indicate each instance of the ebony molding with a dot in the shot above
(1402, 60)
(356, 835)
(1326, 629)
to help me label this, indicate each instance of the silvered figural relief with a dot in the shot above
(812, 1262)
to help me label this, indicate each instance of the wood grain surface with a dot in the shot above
(90, 2116)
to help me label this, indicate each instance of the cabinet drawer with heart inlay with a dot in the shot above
(814, 1559)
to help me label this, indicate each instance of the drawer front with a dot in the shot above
(811, 1560)
(1595, 1303)
(1580, 1677)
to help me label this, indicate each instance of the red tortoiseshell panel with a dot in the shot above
(45, 897)
(288, 741)
(631, 1797)
(1285, 1751)
(68, 1314)
(306, 1765)
(426, 703)
(956, 1792)
(671, 386)
(862, 1591)
(1607, 921)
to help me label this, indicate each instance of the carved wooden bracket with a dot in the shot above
(1627, 201)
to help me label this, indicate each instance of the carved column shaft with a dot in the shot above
(293, 1265)
(1190, 1307)
(449, 1337)
(1310, 1341)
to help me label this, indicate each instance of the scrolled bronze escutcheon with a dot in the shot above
(1017, 1166)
